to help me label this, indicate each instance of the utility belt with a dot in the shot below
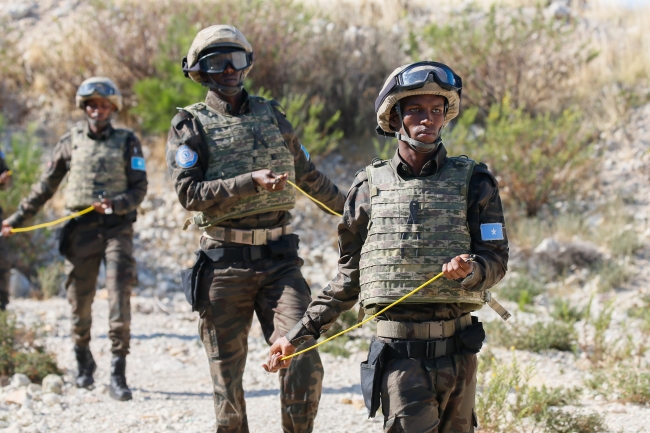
(467, 338)
(246, 237)
(285, 247)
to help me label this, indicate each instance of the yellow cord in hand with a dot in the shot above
(368, 319)
(313, 199)
(53, 223)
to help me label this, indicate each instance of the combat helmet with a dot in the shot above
(99, 86)
(212, 49)
(420, 78)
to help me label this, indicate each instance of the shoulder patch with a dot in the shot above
(305, 151)
(275, 104)
(186, 157)
(138, 163)
(2, 154)
(492, 232)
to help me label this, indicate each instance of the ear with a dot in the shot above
(393, 120)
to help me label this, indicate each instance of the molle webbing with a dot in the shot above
(416, 226)
(96, 167)
(243, 144)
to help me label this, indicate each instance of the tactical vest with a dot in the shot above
(416, 226)
(96, 168)
(243, 144)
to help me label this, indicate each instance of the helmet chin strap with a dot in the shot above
(416, 145)
(100, 123)
(224, 90)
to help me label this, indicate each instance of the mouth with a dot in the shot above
(425, 133)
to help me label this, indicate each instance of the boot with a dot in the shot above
(119, 390)
(86, 367)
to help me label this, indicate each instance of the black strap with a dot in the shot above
(422, 349)
(239, 254)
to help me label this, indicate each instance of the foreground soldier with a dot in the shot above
(230, 159)
(107, 171)
(5, 263)
(405, 220)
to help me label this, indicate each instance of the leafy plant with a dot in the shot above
(521, 290)
(50, 278)
(20, 351)
(538, 159)
(536, 337)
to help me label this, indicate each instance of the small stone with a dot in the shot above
(19, 380)
(52, 383)
(16, 397)
(19, 285)
(50, 399)
(20, 10)
(346, 400)
(34, 390)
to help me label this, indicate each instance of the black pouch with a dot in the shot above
(190, 279)
(470, 339)
(64, 235)
(371, 370)
(285, 247)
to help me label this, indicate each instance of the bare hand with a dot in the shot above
(6, 229)
(458, 267)
(5, 177)
(103, 206)
(270, 181)
(280, 349)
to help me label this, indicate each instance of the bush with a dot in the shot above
(521, 290)
(537, 159)
(50, 278)
(506, 402)
(505, 52)
(536, 337)
(21, 353)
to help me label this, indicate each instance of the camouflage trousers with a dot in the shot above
(85, 245)
(429, 395)
(5, 272)
(276, 291)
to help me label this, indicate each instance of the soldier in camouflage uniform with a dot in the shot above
(107, 171)
(405, 220)
(230, 158)
(5, 263)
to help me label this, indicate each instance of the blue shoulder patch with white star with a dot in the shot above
(137, 163)
(304, 150)
(186, 157)
(492, 232)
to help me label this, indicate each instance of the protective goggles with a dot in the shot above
(216, 63)
(417, 75)
(102, 89)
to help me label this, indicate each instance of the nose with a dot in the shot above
(229, 69)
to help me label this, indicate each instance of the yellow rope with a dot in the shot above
(367, 320)
(313, 199)
(53, 223)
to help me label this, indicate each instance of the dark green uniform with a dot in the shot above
(5, 262)
(434, 392)
(241, 280)
(89, 239)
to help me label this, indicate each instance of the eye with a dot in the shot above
(414, 110)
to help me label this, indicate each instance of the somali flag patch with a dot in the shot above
(137, 163)
(492, 232)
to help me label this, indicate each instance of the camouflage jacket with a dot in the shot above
(59, 165)
(484, 206)
(3, 167)
(197, 194)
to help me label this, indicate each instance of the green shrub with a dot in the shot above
(537, 159)
(384, 148)
(521, 289)
(536, 337)
(507, 51)
(629, 383)
(564, 422)
(21, 353)
(50, 278)
(506, 402)
(562, 310)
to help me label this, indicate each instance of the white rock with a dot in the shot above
(20, 10)
(19, 380)
(34, 390)
(51, 399)
(52, 383)
(19, 285)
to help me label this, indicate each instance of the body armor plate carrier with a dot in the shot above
(96, 168)
(243, 144)
(416, 226)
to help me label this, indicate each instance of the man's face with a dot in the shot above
(99, 109)
(229, 77)
(423, 116)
